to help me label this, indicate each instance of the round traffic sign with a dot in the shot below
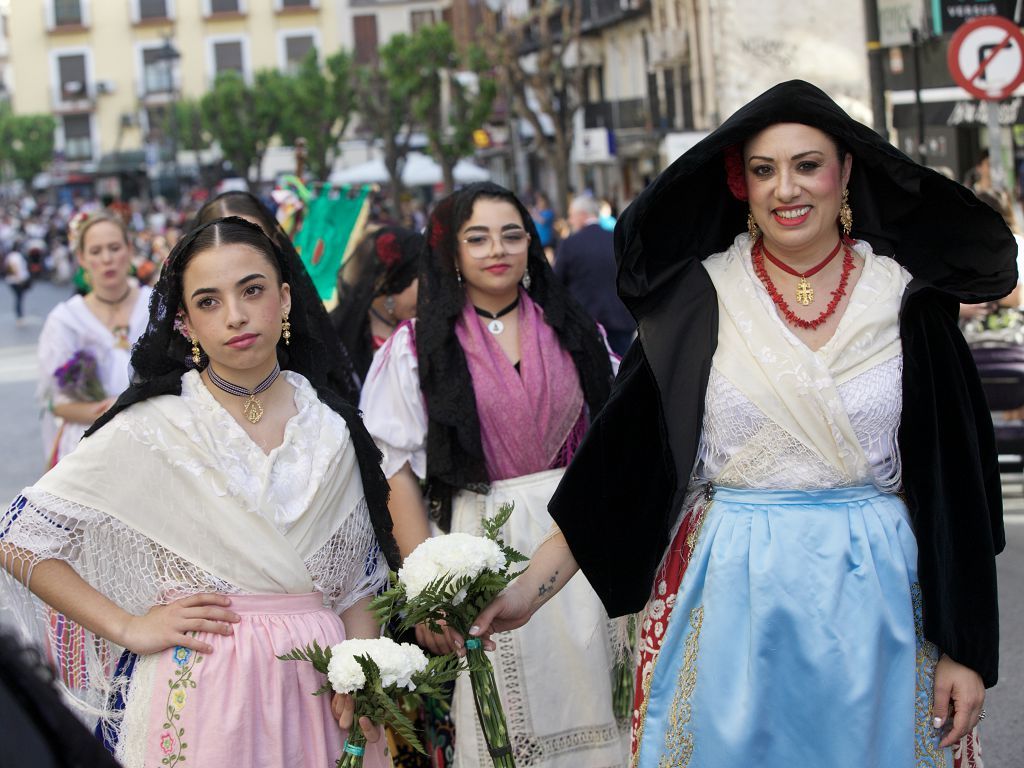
(986, 57)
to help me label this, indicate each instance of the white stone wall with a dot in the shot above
(759, 43)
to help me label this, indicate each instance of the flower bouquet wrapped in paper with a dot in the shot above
(79, 378)
(376, 672)
(450, 579)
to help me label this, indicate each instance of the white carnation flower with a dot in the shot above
(456, 554)
(397, 663)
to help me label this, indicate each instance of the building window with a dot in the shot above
(420, 19)
(225, 6)
(149, 10)
(227, 55)
(68, 13)
(296, 4)
(73, 82)
(77, 137)
(364, 30)
(295, 49)
(157, 71)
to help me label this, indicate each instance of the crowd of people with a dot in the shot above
(747, 418)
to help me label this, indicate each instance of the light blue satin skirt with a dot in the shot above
(795, 640)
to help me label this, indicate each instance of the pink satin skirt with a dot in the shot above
(240, 705)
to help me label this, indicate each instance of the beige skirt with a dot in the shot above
(554, 675)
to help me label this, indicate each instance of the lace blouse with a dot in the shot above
(772, 457)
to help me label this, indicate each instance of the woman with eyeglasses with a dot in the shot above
(485, 397)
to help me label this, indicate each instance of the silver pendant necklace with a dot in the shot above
(496, 326)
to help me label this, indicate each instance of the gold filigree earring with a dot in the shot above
(195, 350)
(286, 330)
(846, 214)
(752, 229)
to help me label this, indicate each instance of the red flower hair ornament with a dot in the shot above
(436, 233)
(388, 252)
(734, 175)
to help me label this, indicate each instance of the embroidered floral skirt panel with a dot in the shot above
(239, 706)
(554, 675)
(794, 638)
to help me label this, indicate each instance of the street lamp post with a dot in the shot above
(168, 54)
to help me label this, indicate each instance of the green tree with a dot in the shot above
(189, 128)
(452, 95)
(322, 107)
(26, 142)
(244, 119)
(385, 90)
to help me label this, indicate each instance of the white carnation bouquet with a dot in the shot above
(451, 579)
(376, 672)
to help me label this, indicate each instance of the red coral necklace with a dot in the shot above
(804, 291)
(758, 253)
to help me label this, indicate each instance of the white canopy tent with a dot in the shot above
(419, 171)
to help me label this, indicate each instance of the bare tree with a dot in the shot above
(536, 57)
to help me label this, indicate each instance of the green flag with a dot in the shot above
(330, 230)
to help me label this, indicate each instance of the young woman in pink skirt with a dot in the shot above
(227, 509)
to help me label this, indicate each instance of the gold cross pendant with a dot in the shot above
(253, 409)
(804, 292)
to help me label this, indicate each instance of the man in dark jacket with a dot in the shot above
(585, 262)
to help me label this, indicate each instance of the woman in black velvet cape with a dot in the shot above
(619, 503)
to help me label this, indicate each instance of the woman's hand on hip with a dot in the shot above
(960, 690)
(166, 626)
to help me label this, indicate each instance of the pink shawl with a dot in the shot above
(525, 417)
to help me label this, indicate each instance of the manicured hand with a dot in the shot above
(166, 626)
(510, 610)
(343, 708)
(445, 642)
(961, 689)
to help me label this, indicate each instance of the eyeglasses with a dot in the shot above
(480, 245)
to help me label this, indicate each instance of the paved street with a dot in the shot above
(22, 458)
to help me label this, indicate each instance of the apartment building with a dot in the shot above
(108, 69)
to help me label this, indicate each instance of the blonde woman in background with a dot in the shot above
(105, 323)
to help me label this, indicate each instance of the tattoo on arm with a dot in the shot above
(549, 586)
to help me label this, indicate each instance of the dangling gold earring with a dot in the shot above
(458, 275)
(195, 350)
(846, 214)
(286, 331)
(752, 229)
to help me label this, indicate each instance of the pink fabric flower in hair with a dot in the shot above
(388, 252)
(734, 176)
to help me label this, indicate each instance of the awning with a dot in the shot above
(953, 113)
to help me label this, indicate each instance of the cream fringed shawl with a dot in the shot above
(796, 404)
(170, 500)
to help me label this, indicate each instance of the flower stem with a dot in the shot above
(356, 742)
(489, 708)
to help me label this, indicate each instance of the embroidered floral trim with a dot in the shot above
(659, 610)
(172, 738)
(967, 753)
(678, 738)
(927, 753)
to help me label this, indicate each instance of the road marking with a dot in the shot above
(1013, 519)
(18, 364)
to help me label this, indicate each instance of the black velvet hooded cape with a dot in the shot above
(623, 492)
